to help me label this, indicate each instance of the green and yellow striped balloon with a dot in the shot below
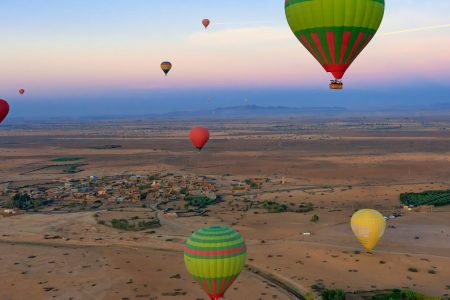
(215, 256)
(334, 31)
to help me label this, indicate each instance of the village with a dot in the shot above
(177, 195)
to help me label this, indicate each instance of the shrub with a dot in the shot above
(275, 207)
(406, 294)
(122, 224)
(198, 201)
(333, 295)
(315, 219)
(414, 270)
(251, 183)
(148, 224)
(305, 207)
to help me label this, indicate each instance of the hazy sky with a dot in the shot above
(92, 50)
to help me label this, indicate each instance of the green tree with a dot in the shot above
(143, 196)
(22, 201)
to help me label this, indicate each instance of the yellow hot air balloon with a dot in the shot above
(368, 225)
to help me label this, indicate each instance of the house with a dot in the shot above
(422, 208)
(101, 193)
(9, 211)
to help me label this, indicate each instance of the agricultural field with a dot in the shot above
(436, 198)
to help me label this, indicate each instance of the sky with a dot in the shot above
(103, 56)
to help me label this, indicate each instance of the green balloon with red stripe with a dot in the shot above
(215, 256)
(334, 31)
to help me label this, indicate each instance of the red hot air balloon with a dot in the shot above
(206, 23)
(199, 137)
(4, 109)
(21, 91)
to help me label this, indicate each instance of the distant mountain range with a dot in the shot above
(251, 111)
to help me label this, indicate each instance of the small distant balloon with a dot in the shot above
(199, 137)
(21, 91)
(206, 23)
(368, 225)
(215, 256)
(166, 66)
(4, 109)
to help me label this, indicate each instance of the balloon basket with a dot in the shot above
(336, 85)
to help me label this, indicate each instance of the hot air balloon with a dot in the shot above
(368, 225)
(166, 67)
(335, 32)
(206, 23)
(21, 91)
(4, 109)
(215, 256)
(199, 137)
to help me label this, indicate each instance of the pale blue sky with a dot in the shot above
(96, 49)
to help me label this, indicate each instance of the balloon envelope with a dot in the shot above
(199, 137)
(368, 225)
(166, 67)
(206, 22)
(215, 256)
(334, 31)
(4, 109)
(21, 91)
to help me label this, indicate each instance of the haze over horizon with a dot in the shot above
(79, 58)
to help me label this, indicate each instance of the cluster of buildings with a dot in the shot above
(119, 189)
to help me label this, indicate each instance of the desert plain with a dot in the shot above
(337, 164)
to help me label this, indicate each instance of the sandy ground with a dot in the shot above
(338, 166)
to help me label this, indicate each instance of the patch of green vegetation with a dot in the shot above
(124, 224)
(142, 225)
(70, 169)
(274, 207)
(198, 201)
(252, 184)
(315, 219)
(403, 295)
(333, 295)
(143, 196)
(66, 159)
(144, 187)
(305, 207)
(413, 270)
(25, 202)
(152, 177)
(436, 198)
